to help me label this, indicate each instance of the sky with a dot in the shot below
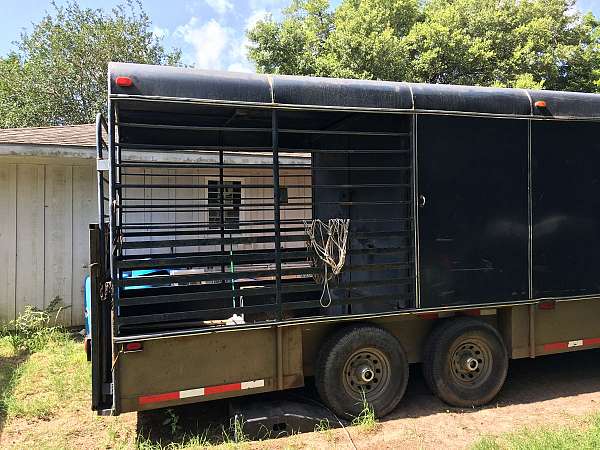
(210, 33)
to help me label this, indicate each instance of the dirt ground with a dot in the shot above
(550, 391)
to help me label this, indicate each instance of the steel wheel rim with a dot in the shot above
(366, 374)
(470, 362)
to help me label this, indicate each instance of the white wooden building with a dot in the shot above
(47, 200)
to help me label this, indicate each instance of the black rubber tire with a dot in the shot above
(336, 354)
(451, 384)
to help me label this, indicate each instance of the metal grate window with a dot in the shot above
(232, 198)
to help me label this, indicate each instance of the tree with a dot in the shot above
(510, 43)
(294, 45)
(58, 75)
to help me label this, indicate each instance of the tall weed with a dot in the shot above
(33, 329)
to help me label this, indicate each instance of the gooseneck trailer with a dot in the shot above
(282, 227)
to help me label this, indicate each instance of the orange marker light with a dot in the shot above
(124, 81)
(540, 104)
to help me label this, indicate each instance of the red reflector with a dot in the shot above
(158, 398)
(591, 341)
(133, 346)
(222, 388)
(540, 104)
(547, 305)
(556, 346)
(124, 81)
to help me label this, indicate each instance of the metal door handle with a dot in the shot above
(422, 201)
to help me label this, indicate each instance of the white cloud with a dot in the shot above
(220, 6)
(240, 67)
(267, 4)
(255, 17)
(211, 42)
(160, 32)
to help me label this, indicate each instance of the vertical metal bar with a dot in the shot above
(112, 179)
(95, 280)
(415, 209)
(277, 210)
(532, 331)
(279, 338)
(349, 180)
(113, 245)
(529, 211)
(100, 175)
(119, 180)
(221, 205)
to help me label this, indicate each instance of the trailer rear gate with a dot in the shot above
(456, 197)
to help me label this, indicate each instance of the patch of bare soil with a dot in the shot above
(549, 391)
(78, 429)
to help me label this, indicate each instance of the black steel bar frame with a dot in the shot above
(120, 208)
(496, 303)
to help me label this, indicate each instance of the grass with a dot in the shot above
(366, 420)
(49, 381)
(44, 397)
(45, 385)
(580, 436)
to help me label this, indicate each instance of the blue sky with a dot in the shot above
(211, 33)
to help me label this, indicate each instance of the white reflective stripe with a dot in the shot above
(488, 312)
(578, 343)
(191, 393)
(253, 384)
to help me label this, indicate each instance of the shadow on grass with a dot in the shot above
(235, 421)
(195, 424)
(8, 368)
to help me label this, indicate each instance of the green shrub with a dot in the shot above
(34, 328)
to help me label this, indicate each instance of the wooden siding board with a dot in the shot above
(8, 240)
(58, 239)
(30, 236)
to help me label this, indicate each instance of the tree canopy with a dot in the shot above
(58, 74)
(507, 43)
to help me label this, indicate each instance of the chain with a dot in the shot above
(106, 291)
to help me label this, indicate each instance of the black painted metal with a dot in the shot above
(188, 85)
(342, 149)
(566, 208)
(350, 164)
(473, 219)
(100, 323)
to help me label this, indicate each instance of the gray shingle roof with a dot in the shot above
(71, 135)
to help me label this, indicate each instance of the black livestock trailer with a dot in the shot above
(340, 229)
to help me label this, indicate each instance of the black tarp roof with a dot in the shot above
(187, 84)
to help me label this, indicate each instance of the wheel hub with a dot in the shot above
(471, 365)
(470, 362)
(366, 374)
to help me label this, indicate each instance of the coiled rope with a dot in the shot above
(329, 242)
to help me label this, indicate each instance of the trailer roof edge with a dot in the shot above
(176, 84)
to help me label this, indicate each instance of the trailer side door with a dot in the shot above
(473, 210)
